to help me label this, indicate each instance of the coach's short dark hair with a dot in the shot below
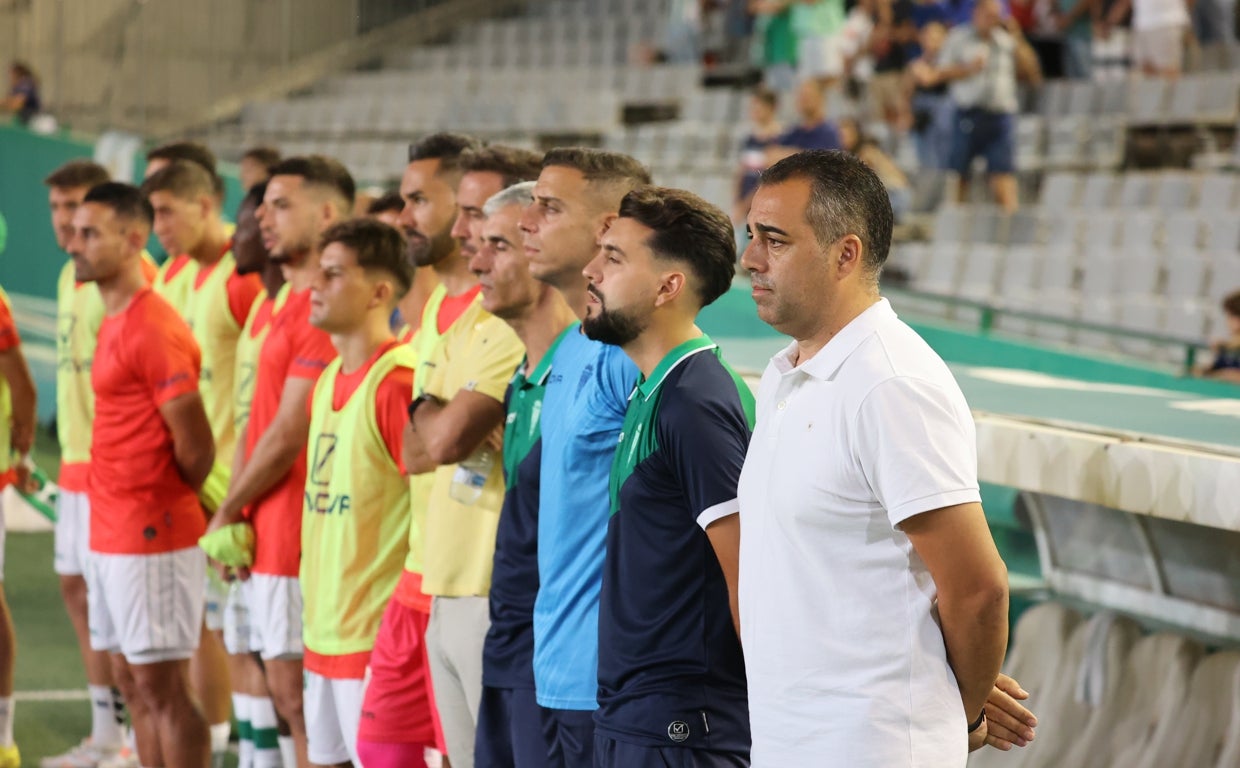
(320, 171)
(445, 147)
(599, 165)
(689, 230)
(377, 247)
(388, 201)
(264, 156)
(513, 164)
(125, 200)
(182, 178)
(77, 173)
(846, 198)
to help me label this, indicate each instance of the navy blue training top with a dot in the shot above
(670, 666)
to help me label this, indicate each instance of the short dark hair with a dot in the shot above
(765, 95)
(513, 164)
(846, 198)
(689, 230)
(182, 178)
(125, 200)
(265, 156)
(320, 171)
(77, 173)
(1231, 304)
(388, 201)
(599, 165)
(376, 245)
(445, 147)
(185, 150)
(255, 196)
(194, 153)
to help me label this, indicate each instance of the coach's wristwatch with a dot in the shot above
(973, 726)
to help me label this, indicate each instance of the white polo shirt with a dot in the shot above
(843, 651)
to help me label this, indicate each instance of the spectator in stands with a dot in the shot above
(854, 140)
(814, 131)
(23, 99)
(256, 165)
(773, 28)
(386, 208)
(818, 25)
(1158, 31)
(682, 42)
(1226, 364)
(1074, 20)
(981, 61)
(890, 42)
(766, 130)
(934, 112)
(1109, 43)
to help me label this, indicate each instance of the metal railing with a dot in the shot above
(990, 315)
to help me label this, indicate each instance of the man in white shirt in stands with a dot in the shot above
(873, 601)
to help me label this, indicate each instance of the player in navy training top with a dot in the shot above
(671, 675)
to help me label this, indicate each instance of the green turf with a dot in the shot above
(47, 654)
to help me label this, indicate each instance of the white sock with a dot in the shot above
(6, 721)
(219, 737)
(105, 721)
(263, 734)
(288, 752)
(245, 738)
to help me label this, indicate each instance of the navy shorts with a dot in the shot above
(510, 730)
(570, 737)
(609, 753)
(981, 133)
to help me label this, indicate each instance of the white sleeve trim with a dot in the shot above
(718, 512)
(931, 503)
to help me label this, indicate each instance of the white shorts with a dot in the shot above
(146, 607)
(820, 56)
(333, 712)
(275, 616)
(1160, 48)
(72, 533)
(216, 591)
(237, 630)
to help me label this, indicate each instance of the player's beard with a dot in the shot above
(611, 326)
(426, 252)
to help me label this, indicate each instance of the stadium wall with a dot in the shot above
(31, 261)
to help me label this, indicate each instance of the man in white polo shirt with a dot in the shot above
(873, 601)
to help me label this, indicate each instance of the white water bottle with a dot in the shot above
(471, 475)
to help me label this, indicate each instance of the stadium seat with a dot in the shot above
(1147, 101)
(1224, 276)
(1186, 274)
(1038, 643)
(1097, 190)
(1151, 692)
(1059, 191)
(979, 277)
(941, 269)
(1200, 728)
(1218, 191)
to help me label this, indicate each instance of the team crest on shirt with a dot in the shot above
(678, 731)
